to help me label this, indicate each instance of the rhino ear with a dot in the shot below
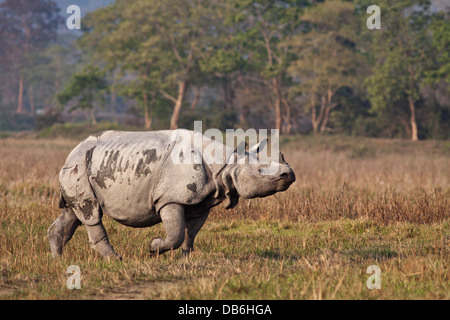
(240, 150)
(258, 147)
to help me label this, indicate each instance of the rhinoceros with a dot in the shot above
(133, 178)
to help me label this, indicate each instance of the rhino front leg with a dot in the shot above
(193, 226)
(98, 240)
(172, 217)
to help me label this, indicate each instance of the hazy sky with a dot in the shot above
(89, 5)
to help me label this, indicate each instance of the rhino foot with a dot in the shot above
(105, 249)
(156, 245)
(186, 253)
(172, 217)
(99, 241)
(160, 245)
(56, 244)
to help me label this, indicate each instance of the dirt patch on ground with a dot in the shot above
(6, 291)
(140, 291)
(131, 291)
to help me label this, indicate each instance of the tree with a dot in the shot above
(223, 66)
(265, 26)
(440, 35)
(84, 89)
(401, 49)
(327, 57)
(48, 71)
(157, 44)
(26, 26)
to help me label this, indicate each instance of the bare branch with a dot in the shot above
(253, 79)
(334, 104)
(196, 99)
(167, 96)
(270, 53)
(268, 49)
(175, 51)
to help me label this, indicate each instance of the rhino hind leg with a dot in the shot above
(98, 240)
(61, 231)
(172, 217)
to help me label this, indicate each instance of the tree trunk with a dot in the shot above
(176, 111)
(91, 114)
(196, 98)
(288, 128)
(26, 47)
(407, 126)
(228, 93)
(277, 103)
(413, 122)
(412, 108)
(244, 97)
(20, 97)
(147, 116)
(275, 83)
(287, 116)
(113, 99)
(243, 122)
(327, 110)
(316, 120)
(325, 119)
(148, 119)
(31, 94)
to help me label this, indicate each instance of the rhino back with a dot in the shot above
(133, 174)
(120, 167)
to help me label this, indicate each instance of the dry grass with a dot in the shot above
(356, 203)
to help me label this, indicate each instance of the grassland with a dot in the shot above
(356, 203)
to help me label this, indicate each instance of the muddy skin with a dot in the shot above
(130, 176)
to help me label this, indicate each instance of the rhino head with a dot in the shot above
(250, 178)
